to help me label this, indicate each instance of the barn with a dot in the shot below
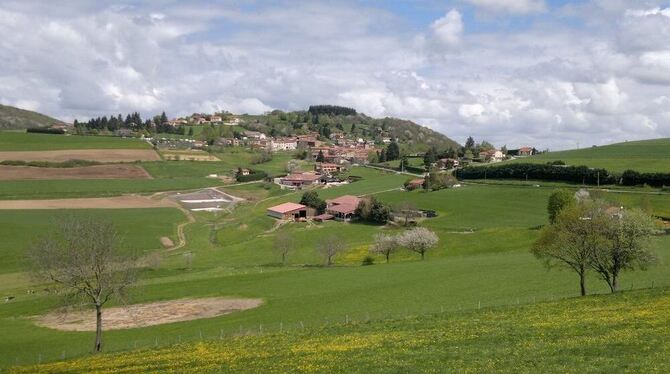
(288, 211)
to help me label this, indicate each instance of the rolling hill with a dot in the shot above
(643, 156)
(12, 118)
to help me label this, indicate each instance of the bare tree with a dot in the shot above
(384, 245)
(419, 240)
(283, 245)
(570, 241)
(407, 210)
(83, 258)
(329, 247)
(628, 234)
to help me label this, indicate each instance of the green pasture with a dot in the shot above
(482, 261)
(22, 141)
(141, 228)
(643, 156)
(627, 332)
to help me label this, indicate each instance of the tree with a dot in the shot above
(470, 144)
(384, 245)
(405, 209)
(392, 151)
(82, 257)
(628, 234)
(312, 199)
(430, 157)
(382, 156)
(559, 200)
(570, 241)
(283, 245)
(419, 240)
(320, 157)
(373, 210)
(329, 247)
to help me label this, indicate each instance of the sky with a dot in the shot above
(554, 74)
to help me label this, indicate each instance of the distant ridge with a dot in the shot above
(12, 118)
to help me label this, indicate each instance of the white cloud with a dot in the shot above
(510, 6)
(544, 83)
(448, 29)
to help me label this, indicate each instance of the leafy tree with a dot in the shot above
(373, 210)
(430, 157)
(392, 151)
(628, 234)
(384, 245)
(419, 240)
(559, 200)
(470, 144)
(382, 156)
(570, 241)
(83, 258)
(312, 199)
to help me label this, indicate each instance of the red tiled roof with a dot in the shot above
(302, 177)
(342, 208)
(345, 200)
(286, 207)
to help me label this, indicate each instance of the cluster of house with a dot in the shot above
(342, 208)
(323, 174)
(204, 119)
(178, 144)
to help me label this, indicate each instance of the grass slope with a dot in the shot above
(644, 156)
(627, 332)
(12, 118)
(21, 141)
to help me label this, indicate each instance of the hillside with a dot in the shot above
(413, 137)
(644, 156)
(12, 118)
(623, 332)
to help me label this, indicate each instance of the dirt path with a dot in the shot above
(150, 314)
(117, 202)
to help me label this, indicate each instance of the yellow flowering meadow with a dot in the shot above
(627, 332)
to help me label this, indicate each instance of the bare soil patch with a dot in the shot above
(117, 202)
(150, 314)
(117, 171)
(100, 155)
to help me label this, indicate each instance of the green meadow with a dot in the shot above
(627, 332)
(482, 261)
(642, 156)
(22, 141)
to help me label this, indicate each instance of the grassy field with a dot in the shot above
(482, 260)
(142, 229)
(643, 156)
(21, 141)
(627, 332)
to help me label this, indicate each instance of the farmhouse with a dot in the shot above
(327, 168)
(299, 180)
(343, 208)
(448, 163)
(283, 144)
(414, 184)
(288, 211)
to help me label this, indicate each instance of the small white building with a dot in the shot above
(283, 144)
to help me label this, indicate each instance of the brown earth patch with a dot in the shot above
(150, 314)
(117, 202)
(100, 155)
(167, 242)
(117, 171)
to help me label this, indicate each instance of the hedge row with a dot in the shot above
(50, 164)
(43, 130)
(255, 176)
(575, 174)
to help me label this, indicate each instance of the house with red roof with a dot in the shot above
(289, 211)
(343, 208)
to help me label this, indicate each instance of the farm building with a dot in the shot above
(288, 211)
(414, 184)
(299, 180)
(327, 168)
(343, 208)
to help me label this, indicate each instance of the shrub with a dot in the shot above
(367, 261)
(575, 174)
(44, 130)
